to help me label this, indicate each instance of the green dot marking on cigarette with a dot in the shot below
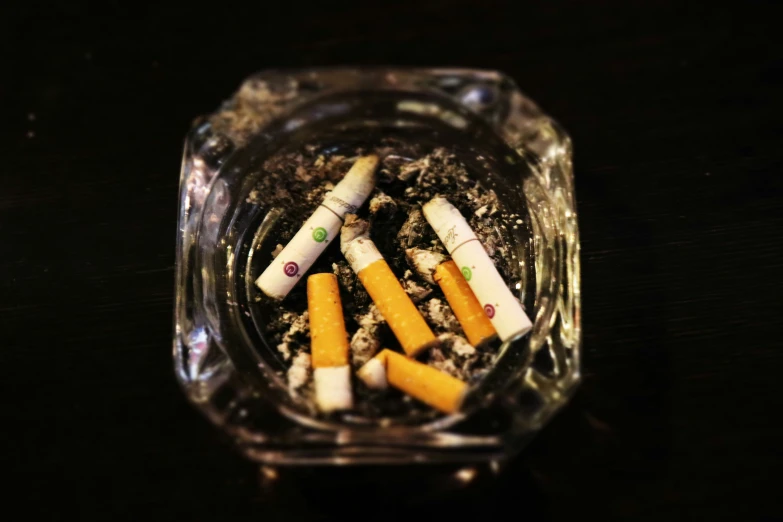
(466, 273)
(319, 234)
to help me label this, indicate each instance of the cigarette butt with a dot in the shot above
(425, 383)
(500, 305)
(400, 313)
(328, 344)
(464, 304)
(397, 309)
(328, 337)
(319, 230)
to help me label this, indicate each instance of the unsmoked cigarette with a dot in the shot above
(425, 383)
(500, 305)
(319, 230)
(463, 303)
(328, 344)
(395, 306)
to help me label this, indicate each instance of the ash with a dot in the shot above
(366, 342)
(294, 183)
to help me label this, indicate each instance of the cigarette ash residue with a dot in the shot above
(295, 182)
(366, 342)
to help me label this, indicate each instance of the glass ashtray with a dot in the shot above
(230, 223)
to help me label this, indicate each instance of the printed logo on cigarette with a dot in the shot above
(489, 310)
(291, 269)
(467, 273)
(319, 234)
(344, 204)
(451, 235)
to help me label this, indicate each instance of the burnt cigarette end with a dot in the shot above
(424, 262)
(353, 228)
(382, 207)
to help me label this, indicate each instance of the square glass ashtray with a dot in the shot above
(254, 172)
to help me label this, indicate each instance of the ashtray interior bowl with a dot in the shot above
(227, 230)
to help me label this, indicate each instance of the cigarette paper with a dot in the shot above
(395, 306)
(328, 344)
(463, 302)
(319, 230)
(425, 383)
(500, 305)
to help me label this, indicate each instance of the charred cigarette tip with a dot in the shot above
(424, 262)
(353, 229)
(366, 164)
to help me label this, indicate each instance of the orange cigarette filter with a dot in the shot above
(328, 338)
(397, 309)
(425, 383)
(464, 304)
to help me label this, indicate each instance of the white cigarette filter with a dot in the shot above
(373, 373)
(333, 388)
(501, 306)
(320, 229)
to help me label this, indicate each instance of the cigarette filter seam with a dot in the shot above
(464, 243)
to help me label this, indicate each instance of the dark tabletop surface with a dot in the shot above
(675, 116)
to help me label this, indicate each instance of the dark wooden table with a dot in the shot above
(675, 116)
